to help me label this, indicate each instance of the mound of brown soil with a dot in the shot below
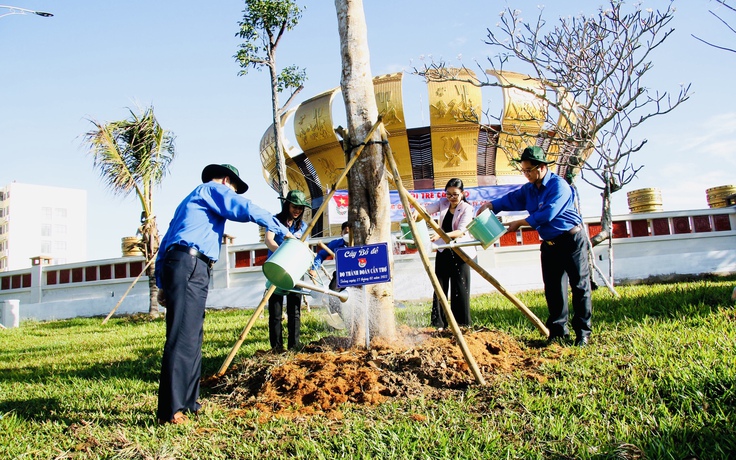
(326, 374)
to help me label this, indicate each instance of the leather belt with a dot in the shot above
(572, 231)
(192, 252)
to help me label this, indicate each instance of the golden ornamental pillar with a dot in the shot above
(454, 115)
(391, 107)
(524, 115)
(316, 136)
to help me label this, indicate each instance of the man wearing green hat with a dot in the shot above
(550, 202)
(188, 250)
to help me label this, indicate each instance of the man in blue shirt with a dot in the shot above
(188, 250)
(322, 254)
(550, 202)
(333, 245)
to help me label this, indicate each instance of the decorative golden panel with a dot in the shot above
(453, 102)
(268, 158)
(524, 115)
(454, 153)
(390, 105)
(315, 134)
(454, 111)
(568, 127)
(565, 122)
(296, 178)
(267, 149)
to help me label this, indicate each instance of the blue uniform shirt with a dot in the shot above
(199, 221)
(334, 245)
(297, 232)
(551, 207)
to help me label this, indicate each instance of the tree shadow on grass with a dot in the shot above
(145, 367)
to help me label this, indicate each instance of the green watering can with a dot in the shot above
(289, 263)
(486, 228)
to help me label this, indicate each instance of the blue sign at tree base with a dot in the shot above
(360, 265)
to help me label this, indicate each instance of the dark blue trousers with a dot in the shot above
(567, 260)
(185, 282)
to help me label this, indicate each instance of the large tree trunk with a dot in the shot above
(367, 184)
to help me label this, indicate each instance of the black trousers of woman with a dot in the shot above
(453, 274)
(186, 280)
(293, 322)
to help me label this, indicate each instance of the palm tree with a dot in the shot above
(134, 155)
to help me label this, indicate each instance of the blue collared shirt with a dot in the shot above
(297, 232)
(334, 245)
(551, 207)
(199, 221)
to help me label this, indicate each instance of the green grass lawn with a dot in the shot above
(658, 381)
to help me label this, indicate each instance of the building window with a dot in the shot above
(45, 229)
(60, 245)
(46, 213)
(2, 212)
(46, 247)
(60, 212)
(60, 229)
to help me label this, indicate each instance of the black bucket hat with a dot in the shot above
(212, 171)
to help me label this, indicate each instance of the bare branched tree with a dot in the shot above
(723, 21)
(591, 71)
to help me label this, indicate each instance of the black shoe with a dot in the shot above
(581, 341)
(297, 347)
(561, 340)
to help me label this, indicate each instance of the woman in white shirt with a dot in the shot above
(452, 271)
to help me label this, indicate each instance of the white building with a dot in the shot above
(36, 220)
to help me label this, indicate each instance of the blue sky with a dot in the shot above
(93, 60)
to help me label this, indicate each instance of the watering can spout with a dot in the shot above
(343, 296)
(455, 244)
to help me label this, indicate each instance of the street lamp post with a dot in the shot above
(18, 10)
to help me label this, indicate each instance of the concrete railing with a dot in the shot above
(645, 245)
